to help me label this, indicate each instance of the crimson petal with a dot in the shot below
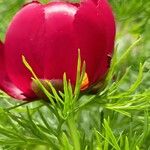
(5, 83)
(106, 13)
(12, 90)
(90, 30)
(25, 37)
(61, 47)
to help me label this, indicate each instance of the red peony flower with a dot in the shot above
(49, 37)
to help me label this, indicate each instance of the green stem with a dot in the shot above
(74, 132)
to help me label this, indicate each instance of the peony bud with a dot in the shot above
(49, 37)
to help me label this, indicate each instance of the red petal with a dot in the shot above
(5, 83)
(12, 90)
(106, 13)
(90, 29)
(61, 47)
(25, 36)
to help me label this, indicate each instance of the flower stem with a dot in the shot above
(74, 132)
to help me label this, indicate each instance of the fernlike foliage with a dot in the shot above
(117, 117)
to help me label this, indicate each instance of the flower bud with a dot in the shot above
(49, 36)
